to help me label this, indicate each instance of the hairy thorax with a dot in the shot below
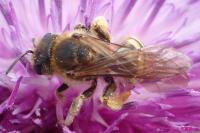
(69, 56)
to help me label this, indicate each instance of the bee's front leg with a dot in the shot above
(78, 102)
(99, 27)
(110, 98)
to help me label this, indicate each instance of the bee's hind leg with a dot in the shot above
(110, 98)
(132, 43)
(78, 102)
(100, 28)
(108, 92)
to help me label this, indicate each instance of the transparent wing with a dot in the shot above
(152, 63)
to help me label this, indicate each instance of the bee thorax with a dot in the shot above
(70, 55)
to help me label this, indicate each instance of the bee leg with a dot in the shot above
(78, 102)
(80, 27)
(61, 89)
(100, 28)
(110, 99)
(132, 43)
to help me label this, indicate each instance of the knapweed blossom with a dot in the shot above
(28, 102)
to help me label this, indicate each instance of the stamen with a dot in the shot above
(42, 12)
(123, 12)
(152, 16)
(13, 95)
(115, 123)
(36, 106)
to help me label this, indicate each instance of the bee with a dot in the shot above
(88, 53)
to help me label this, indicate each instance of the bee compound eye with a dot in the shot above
(38, 68)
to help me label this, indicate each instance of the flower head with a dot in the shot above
(28, 102)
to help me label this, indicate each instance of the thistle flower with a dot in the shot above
(28, 101)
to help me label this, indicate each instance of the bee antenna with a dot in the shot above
(18, 58)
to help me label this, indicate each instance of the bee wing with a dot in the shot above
(161, 62)
(152, 63)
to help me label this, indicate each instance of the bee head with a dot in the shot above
(42, 54)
